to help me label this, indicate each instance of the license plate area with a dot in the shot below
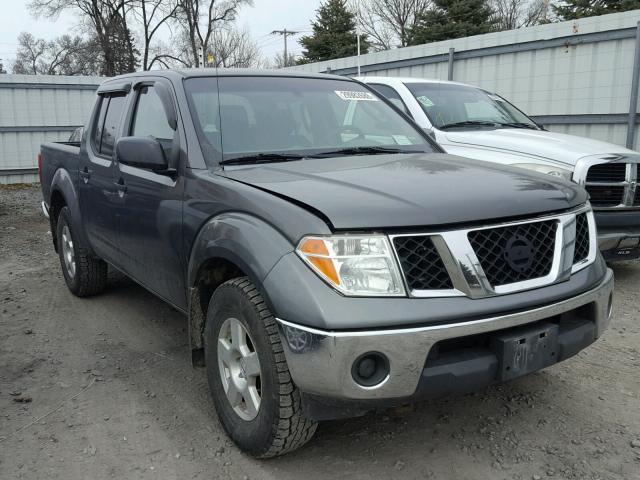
(525, 350)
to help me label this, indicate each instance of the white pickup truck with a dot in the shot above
(474, 123)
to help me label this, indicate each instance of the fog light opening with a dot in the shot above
(370, 369)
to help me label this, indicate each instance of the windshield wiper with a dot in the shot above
(262, 158)
(518, 125)
(363, 151)
(468, 123)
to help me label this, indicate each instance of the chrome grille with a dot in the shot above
(611, 180)
(606, 196)
(582, 238)
(497, 259)
(421, 264)
(607, 172)
(492, 246)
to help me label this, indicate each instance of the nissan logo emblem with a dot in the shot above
(519, 253)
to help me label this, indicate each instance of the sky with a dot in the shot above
(260, 20)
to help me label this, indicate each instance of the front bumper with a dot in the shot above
(321, 362)
(618, 234)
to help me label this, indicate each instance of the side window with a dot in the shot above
(111, 126)
(392, 95)
(150, 119)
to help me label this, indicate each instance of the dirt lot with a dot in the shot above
(103, 388)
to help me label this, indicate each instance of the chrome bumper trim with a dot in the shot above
(320, 361)
(45, 209)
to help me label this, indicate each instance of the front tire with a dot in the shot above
(256, 400)
(83, 273)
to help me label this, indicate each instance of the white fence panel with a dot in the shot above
(38, 109)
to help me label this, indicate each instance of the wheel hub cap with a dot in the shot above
(239, 369)
(68, 254)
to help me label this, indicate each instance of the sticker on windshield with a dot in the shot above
(425, 101)
(347, 95)
(401, 139)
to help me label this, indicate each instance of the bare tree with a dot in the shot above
(278, 61)
(512, 14)
(107, 20)
(200, 19)
(388, 22)
(153, 15)
(65, 55)
(232, 48)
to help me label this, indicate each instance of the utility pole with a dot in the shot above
(201, 56)
(358, 36)
(285, 33)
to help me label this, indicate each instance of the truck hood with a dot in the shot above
(558, 147)
(396, 191)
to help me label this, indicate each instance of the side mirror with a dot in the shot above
(141, 152)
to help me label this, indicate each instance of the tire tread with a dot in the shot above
(292, 429)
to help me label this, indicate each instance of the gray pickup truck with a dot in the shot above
(330, 258)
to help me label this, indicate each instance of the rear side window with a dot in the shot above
(107, 128)
(111, 124)
(97, 136)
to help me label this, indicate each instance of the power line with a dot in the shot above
(285, 33)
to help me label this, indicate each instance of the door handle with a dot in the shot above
(121, 187)
(85, 173)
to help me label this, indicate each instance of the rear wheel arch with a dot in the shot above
(64, 194)
(56, 204)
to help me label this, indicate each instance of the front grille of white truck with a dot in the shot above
(499, 259)
(610, 185)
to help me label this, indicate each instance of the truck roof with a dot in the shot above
(223, 72)
(374, 79)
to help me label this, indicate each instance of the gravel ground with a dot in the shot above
(102, 388)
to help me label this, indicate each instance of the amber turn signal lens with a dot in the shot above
(316, 252)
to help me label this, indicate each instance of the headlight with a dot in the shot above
(548, 169)
(354, 265)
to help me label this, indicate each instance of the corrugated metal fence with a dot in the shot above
(37, 109)
(573, 77)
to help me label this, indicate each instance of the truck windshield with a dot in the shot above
(459, 106)
(284, 118)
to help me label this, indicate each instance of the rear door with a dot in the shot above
(149, 216)
(98, 194)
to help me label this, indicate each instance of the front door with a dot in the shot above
(150, 215)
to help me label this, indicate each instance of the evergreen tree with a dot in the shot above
(572, 9)
(334, 34)
(448, 19)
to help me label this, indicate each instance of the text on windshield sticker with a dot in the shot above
(347, 95)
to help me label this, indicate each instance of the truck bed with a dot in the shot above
(55, 156)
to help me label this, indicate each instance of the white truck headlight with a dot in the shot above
(548, 169)
(356, 265)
